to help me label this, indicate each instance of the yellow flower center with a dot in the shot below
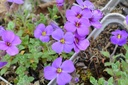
(78, 16)
(43, 33)
(77, 24)
(118, 36)
(62, 41)
(59, 70)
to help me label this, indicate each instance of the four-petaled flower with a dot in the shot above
(77, 12)
(64, 42)
(85, 4)
(60, 71)
(94, 19)
(43, 33)
(119, 37)
(80, 43)
(10, 40)
(16, 1)
(2, 64)
(81, 26)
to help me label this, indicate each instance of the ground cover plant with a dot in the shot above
(37, 41)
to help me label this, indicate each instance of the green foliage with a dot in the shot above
(105, 53)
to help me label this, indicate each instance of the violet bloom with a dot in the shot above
(80, 44)
(1, 31)
(94, 19)
(64, 42)
(60, 2)
(43, 33)
(119, 37)
(85, 4)
(2, 64)
(60, 71)
(10, 40)
(81, 26)
(77, 12)
(16, 1)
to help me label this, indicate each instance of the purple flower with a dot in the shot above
(60, 2)
(64, 42)
(127, 19)
(10, 40)
(80, 44)
(16, 1)
(94, 19)
(81, 26)
(2, 64)
(43, 33)
(119, 37)
(77, 12)
(1, 31)
(54, 25)
(85, 4)
(60, 71)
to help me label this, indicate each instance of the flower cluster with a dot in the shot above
(60, 71)
(119, 37)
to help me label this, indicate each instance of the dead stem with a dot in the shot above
(111, 59)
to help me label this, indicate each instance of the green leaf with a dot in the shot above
(109, 71)
(3, 70)
(101, 81)
(10, 26)
(105, 53)
(93, 80)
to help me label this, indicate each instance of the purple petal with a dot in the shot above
(68, 66)
(80, 2)
(57, 63)
(69, 37)
(83, 30)
(40, 27)
(76, 9)
(116, 32)
(13, 50)
(87, 13)
(44, 38)
(2, 64)
(16, 40)
(16, 1)
(8, 36)
(96, 24)
(89, 5)
(49, 30)
(57, 47)
(122, 41)
(63, 79)
(3, 45)
(83, 44)
(68, 47)
(50, 73)
(97, 15)
(57, 34)
(76, 49)
(1, 30)
(37, 33)
(70, 27)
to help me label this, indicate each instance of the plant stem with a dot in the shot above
(111, 59)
